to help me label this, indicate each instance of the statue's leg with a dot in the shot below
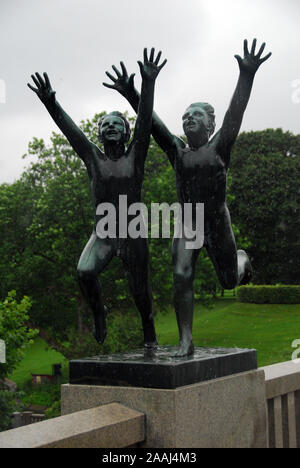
(94, 258)
(232, 266)
(184, 261)
(136, 261)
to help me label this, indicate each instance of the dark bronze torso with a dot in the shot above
(111, 178)
(201, 178)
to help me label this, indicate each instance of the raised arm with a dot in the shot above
(234, 115)
(149, 71)
(75, 136)
(124, 85)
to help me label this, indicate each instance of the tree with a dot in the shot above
(265, 173)
(16, 335)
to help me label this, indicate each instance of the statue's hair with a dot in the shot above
(121, 116)
(210, 113)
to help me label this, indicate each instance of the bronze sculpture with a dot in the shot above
(114, 172)
(201, 168)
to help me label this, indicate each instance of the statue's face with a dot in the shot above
(195, 121)
(113, 130)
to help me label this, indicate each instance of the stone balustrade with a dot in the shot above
(115, 425)
(108, 426)
(283, 404)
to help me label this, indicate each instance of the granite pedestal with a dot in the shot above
(215, 398)
(160, 369)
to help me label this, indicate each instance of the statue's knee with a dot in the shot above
(183, 277)
(84, 274)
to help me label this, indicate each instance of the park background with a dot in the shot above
(45, 207)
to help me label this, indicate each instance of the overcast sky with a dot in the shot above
(76, 41)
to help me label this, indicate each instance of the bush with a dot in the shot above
(280, 294)
(6, 408)
(16, 335)
(54, 411)
(124, 333)
(44, 394)
(14, 330)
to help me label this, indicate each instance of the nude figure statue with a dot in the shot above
(201, 167)
(114, 172)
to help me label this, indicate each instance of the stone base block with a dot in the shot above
(228, 412)
(160, 369)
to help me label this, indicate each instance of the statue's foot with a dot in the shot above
(244, 261)
(184, 349)
(100, 327)
(100, 334)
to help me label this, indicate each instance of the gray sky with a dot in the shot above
(76, 41)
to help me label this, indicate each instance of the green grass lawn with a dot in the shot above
(268, 328)
(38, 360)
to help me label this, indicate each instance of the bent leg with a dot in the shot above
(232, 266)
(94, 258)
(136, 260)
(184, 261)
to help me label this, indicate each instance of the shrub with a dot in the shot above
(54, 411)
(16, 335)
(279, 294)
(14, 330)
(44, 394)
(124, 333)
(6, 408)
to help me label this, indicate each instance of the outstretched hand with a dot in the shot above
(122, 82)
(251, 62)
(43, 88)
(150, 68)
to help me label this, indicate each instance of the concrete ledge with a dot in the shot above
(108, 426)
(229, 412)
(281, 378)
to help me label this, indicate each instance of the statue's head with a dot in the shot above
(113, 128)
(199, 121)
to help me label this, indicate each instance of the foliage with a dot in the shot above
(124, 333)
(44, 394)
(16, 335)
(54, 411)
(265, 172)
(279, 294)
(13, 330)
(7, 406)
